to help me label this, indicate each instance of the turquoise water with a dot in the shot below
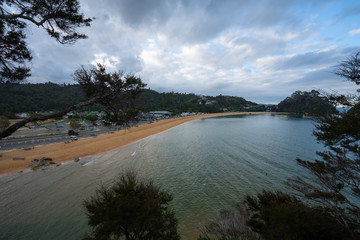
(207, 164)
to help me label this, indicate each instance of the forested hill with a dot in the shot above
(306, 102)
(16, 98)
(180, 102)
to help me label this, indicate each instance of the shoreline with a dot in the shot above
(66, 152)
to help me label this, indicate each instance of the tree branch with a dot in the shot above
(7, 132)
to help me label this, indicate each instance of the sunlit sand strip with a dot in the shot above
(62, 152)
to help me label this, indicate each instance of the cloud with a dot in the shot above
(108, 61)
(354, 32)
(253, 49)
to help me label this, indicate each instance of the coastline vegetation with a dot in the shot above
(133, 209)
(311, 103)
(329, 206)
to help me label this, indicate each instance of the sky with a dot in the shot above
(260, 50)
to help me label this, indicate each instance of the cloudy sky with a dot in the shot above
(261, 50)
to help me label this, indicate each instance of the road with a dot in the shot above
(30, 142)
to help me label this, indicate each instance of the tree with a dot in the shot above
(59, 18)
(229, 225)
(75, 124)
(336, 175)
(275, 215)
(4, 122)
(92, 118)
(112, 90)
(306, 102)
(134, 209)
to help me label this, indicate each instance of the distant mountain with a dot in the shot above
(15, 98)
(306, 102)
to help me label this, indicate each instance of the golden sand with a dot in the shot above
(63, 152)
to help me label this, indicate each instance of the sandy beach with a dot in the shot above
(64, 152)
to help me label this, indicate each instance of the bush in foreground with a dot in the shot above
(131, 209)
(274, 216)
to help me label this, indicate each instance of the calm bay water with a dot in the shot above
(207, 164)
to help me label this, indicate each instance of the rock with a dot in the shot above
(77, 159)
(40, 164)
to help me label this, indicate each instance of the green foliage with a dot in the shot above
(306, 102)
(75, 124)
(133, 209)
(15, 98)
(60, 19)
(4, 122)
(115, 91)
(228, 225)
(336, 175)
(179, 102)
(342, 129)
(350, 69)
(92, 118)
(275, 215)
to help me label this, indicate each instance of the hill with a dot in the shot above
(42, 97)
(179, 102)
(306, 102)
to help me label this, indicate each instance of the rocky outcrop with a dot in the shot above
(42, 163)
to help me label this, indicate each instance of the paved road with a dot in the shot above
(30, 142)
(25, 143)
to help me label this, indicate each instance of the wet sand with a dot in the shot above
(64, 152)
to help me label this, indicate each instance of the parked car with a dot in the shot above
(73, 138)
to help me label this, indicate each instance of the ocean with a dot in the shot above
(207, 165)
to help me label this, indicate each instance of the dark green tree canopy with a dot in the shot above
(350, 68)
(59, 18)
(336, 174)
(275, 215)
(131, 209)
(306, 102)
(115, 91)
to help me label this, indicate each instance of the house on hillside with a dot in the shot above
(22, 115)
(160, 114)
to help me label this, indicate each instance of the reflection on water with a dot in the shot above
(207, 164)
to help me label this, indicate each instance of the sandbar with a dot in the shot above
(64, 152)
